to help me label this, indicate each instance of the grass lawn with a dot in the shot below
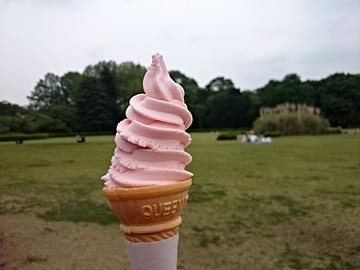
(292, 204)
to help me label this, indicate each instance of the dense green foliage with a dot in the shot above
(337, 96)
(96, 100)
(291, 119)
(21, 136)
(228, 135)
(226, 106)
(7, 137)
(292, 204)
(292, 124)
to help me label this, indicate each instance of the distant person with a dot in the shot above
(253, 138)
(80, 139)
(264, 139)
(245, 138)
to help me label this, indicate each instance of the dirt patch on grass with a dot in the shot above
(322, 244)
(29, 243)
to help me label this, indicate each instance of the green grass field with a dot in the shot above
(292, 204)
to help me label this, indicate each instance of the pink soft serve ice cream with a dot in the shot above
(150, 143)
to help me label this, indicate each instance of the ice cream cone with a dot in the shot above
(150, 218)
(147, 184)
(149, 214)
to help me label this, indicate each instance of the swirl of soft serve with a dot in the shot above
(150, 143)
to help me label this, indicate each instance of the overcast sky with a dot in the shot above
(248, 41)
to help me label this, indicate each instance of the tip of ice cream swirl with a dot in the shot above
(158, 84)
(150, 142)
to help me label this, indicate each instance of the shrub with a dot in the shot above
(227, 136)
(10, 123)
(37, 136)
(291, 119)
(272, 134)
(83, 133)
(21, 136)
(335, 130)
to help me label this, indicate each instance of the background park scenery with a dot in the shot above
(291, 204)
(95, 100)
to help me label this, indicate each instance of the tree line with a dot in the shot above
(96, 100)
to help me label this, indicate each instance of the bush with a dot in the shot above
(21, 136)
(37, 136)
(291, 124)
(227, 136)
(335, 130)
(10, 123)
(291, 119)
(272, 134)
(83, 133)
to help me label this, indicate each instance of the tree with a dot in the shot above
(189, 84)
(70, 85)
(65, 111)
(109, 86)
(228, 110)
(227, 107)
(46, 93)
(56, 97)
(95, 70)
(220, 84)
(338, 97)
(95, 106)
(192, 97)
(14, 118)
(290, 89)
(10, 123)
(129, 78)
(41, 122)
(7, 108)
(253, 109)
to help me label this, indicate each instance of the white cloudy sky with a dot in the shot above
(249, 41)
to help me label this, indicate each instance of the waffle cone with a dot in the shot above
(149, 214)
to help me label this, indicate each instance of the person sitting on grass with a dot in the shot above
(245, 138)
(252, 138)
(80, 139)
